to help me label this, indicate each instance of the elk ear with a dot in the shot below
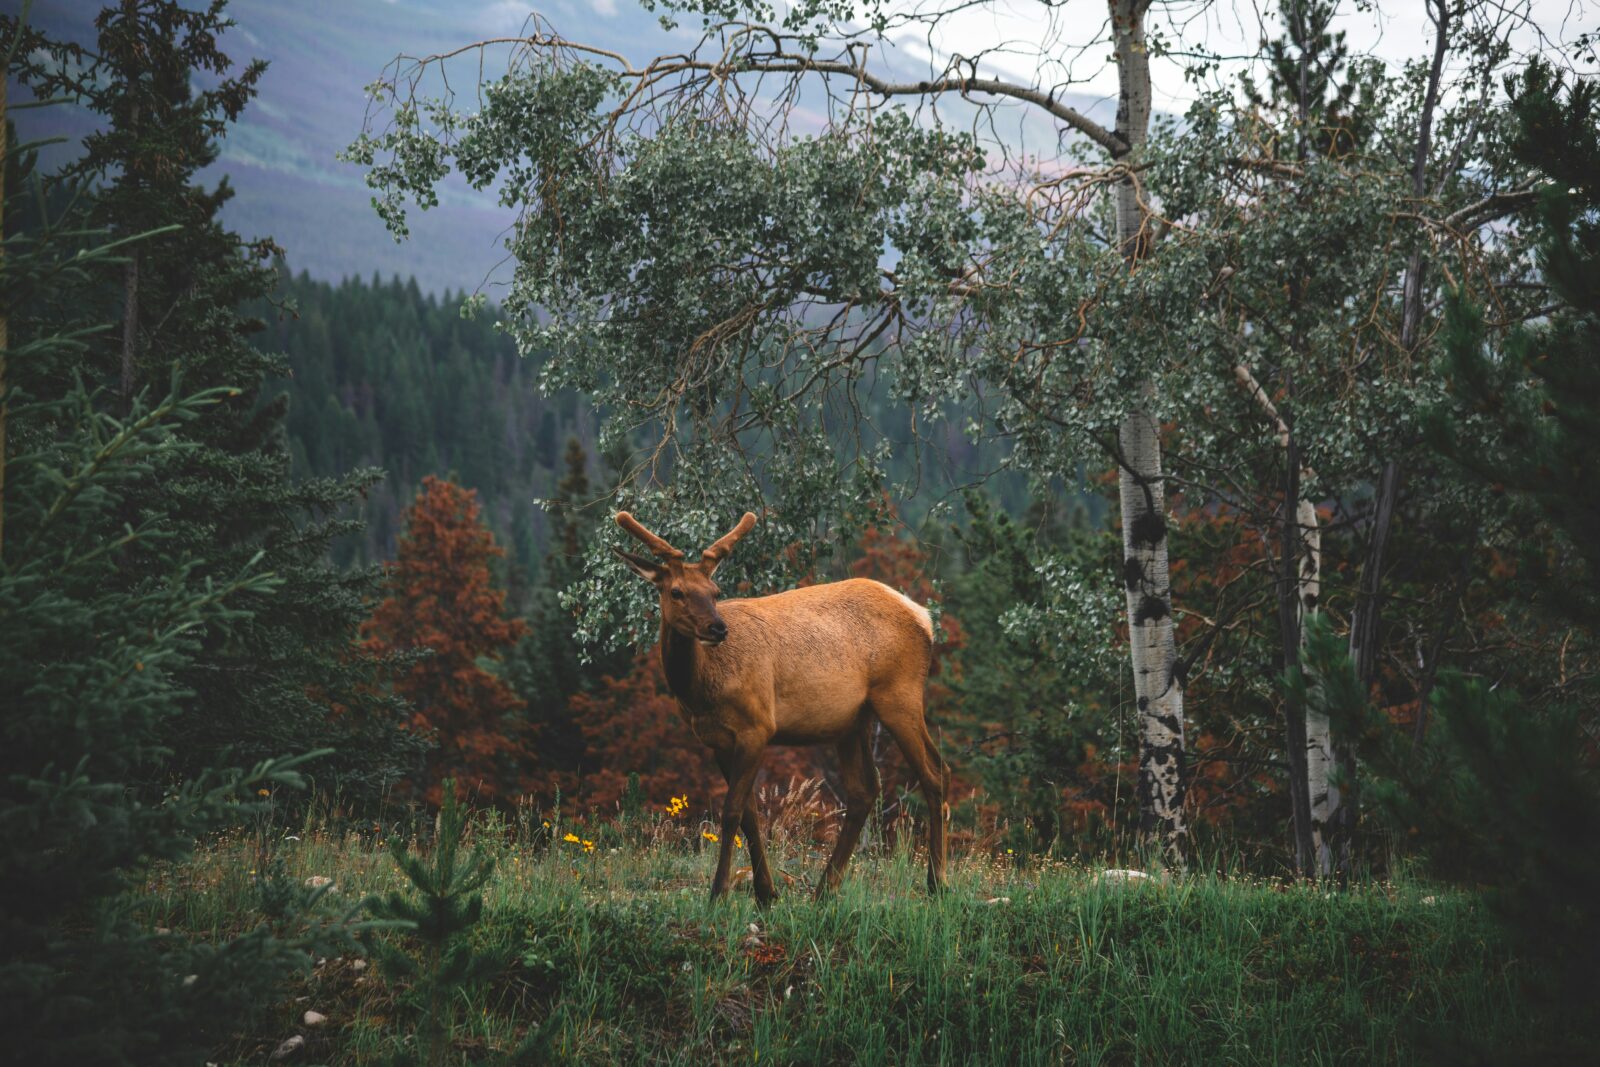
(649, 570)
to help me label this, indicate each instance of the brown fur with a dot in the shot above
(806, 667)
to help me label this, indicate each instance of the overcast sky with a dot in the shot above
(1022, 30)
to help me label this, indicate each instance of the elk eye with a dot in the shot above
(677, 594)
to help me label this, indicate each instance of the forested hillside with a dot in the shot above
(382, 375)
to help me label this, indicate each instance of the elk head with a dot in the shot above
(688, 593)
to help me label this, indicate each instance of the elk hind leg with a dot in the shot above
(902, 713)
(860, 793)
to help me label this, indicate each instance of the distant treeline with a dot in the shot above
(385, 375)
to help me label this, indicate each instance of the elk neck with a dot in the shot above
(680, 658)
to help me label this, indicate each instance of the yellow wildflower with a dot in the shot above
(574, 838)
(263, 792)
(709, 836)
(588, 846)
(738, 842)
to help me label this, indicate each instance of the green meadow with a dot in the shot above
(611, 954)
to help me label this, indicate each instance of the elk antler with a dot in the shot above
(656, 544)
(725, 544)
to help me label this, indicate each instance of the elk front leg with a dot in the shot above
(741, 763)
(761, 873)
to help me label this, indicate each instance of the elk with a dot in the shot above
(809, 666)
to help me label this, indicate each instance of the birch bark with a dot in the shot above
(1323, 794)
(1157, 680)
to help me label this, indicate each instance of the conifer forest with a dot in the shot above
(799, 531)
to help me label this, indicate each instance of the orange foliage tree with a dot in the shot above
(441, 598)
(632, 726)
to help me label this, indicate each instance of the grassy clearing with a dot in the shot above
(620, 959)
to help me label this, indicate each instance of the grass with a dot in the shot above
(618, 958)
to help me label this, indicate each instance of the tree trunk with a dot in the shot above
(5, 336)
(1306, 579)
(1321, 757)
(1290, 617)
(130, 322)
(1157, 682)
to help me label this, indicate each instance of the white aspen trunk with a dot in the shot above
(1156, 685)
(1320, 756)
(1157, 681)
(1320, 759)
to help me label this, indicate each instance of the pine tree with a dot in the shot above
(442, 965)
(264, 687)
(93, 669)
(442, 601)
(1308, 74)
(1501, 790)
(548, 668)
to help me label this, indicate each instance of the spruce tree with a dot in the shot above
(267, 685)
(93, 668)
(1500, 790)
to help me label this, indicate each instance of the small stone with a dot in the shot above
(317, 881)
(290, 1046)
(1115, 875)
(755, 928)
(162, 931)
(358, 965)
(313, 1018)
(998, 900)
(189, 980)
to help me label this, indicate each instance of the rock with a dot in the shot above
(1115, 875)
(755, 928)
(998, 900)
(290, 1047)
(313, 1018)
(189, 980)
(358, 965)
(317, 881)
